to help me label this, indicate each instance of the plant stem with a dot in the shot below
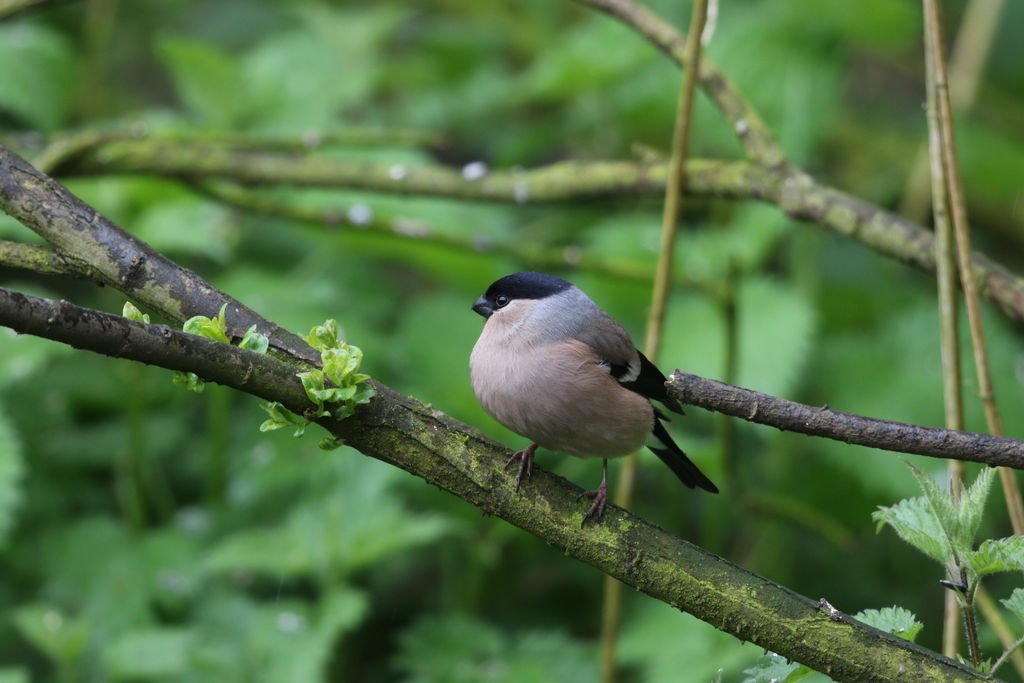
(973, 45)
(990, 611)
(1009, 651)
(675, 185)
(945, 270)
(726, 426)
(958, 210)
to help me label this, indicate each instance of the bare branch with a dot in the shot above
(754, 406)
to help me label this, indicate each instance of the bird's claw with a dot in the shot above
(596, 510)
(525, 458)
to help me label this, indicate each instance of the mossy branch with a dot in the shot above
(40, 260)
(795, 193)
(454, 457)
(92, 243)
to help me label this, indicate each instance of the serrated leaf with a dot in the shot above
(946, 512)
(1015, 603)
(972, 505)
(896, 620)
(997, 555)
(915, 522)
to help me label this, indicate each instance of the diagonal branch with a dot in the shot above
(114, 257)
(448, 454)
(754, 406)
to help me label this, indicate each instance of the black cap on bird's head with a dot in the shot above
(518, 286)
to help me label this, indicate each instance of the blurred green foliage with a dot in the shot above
(151, 534)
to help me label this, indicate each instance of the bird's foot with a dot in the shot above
(525, 458)
(600, 496)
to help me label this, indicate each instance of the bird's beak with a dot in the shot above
(483, 307)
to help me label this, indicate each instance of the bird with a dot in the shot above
(554, 367)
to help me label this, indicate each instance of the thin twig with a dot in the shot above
(67, 146)
(755, 406)
(1009, 651)
(675, 186)
(992, 615)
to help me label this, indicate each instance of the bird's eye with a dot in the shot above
(502, 301)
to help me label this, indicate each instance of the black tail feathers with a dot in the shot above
(670, 454)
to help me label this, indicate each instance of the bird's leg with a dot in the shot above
(600, 496)
(525, 458)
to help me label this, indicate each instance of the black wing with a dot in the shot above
(670, 454)
(649, 382)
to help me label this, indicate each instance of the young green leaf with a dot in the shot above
(324, 336)
(895, 620)
(254, 341)
(341, 363)
(131, 312)
(212, 328)
(282, 417)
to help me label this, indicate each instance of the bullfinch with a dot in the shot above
(553, 367)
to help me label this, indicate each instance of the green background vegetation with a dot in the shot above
(150, 534)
